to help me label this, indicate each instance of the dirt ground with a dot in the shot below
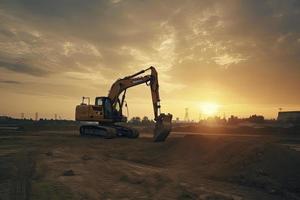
(62, 165)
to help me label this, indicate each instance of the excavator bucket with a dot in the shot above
(163, 127)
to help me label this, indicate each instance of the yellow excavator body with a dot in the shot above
(107, 111)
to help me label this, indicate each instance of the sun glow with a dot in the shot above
(209, 108)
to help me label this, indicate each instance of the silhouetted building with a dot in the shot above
(289, 116)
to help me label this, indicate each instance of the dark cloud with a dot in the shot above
(22, 68)
(263, 34)
(6, 33)
(56, 8)
(10, 82)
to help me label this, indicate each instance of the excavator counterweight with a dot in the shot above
(107, 111)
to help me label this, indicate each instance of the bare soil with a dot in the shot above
(63, 165)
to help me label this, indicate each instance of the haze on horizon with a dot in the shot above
(242, 55)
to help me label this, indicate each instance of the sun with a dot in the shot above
(209, 108)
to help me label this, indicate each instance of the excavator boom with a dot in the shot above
(163, 121)
(123, 84)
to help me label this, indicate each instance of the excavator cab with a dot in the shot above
(110, 111)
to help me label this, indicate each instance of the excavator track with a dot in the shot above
(108, 131)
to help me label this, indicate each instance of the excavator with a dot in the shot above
(108, 111)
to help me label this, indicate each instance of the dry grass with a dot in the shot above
(32, 165)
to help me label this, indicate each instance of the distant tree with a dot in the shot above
(233, 120)
(145, 120)
(135, 120)
(256, 119)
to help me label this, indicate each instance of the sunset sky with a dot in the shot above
(241, 55)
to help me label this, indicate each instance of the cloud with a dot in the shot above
(10, 82)
(20, 66)
(190, 42)
(226, 60)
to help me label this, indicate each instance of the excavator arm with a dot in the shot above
(163, 121)
(121, 85)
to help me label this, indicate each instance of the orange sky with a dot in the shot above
(242, 55)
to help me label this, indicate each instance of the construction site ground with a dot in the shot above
(63, 165)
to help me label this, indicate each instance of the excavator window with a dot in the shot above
(118, 107)
(107, 107)
(99, 102)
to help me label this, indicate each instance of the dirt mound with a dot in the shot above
(69, 173)
(255, 162)
(191, 167)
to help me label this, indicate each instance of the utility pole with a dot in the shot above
(36, 116)
(186, 116)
